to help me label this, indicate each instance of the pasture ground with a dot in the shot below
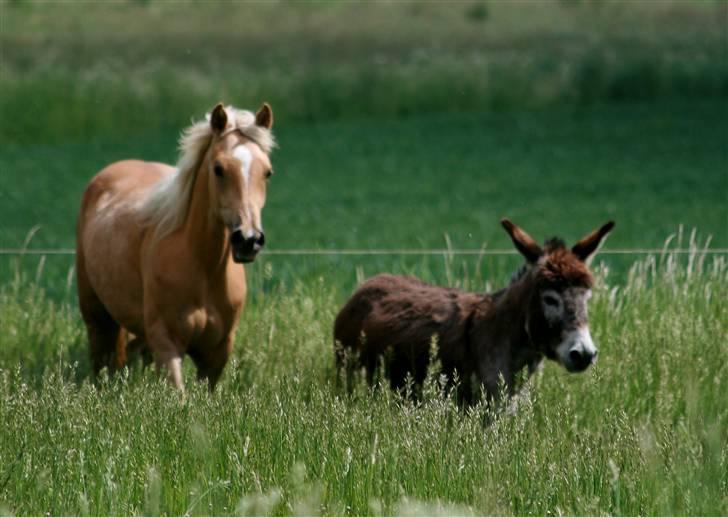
(395, 132)
(643, 432)
(420, 182)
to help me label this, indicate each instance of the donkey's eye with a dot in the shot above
(218, 170)
(551, 300)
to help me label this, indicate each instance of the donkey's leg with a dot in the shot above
(106, 341)
(345, 367)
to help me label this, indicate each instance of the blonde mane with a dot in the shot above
(165, 208)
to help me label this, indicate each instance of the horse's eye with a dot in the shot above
(218, 170)
(551, 300)
(269, 173)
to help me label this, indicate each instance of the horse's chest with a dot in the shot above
(207, 326)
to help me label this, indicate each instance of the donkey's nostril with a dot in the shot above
(575, 356)
(580, 359)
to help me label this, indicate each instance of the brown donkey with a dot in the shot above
(160, 250)
(391, 320)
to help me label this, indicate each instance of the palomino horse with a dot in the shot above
(160, 249)
(391, 320)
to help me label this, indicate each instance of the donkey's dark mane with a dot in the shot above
(563, 268)
(558, 270)
(553, 244)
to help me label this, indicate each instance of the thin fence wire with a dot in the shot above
(395, 251)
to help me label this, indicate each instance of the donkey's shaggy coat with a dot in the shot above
(483, 337)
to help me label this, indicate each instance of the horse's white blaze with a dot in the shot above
(243, 154)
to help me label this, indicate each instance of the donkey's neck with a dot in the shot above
(511, 308)
(206, 237)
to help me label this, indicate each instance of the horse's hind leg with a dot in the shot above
(105, 336)
(138, 350)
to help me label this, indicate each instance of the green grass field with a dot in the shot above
(405, 125)
(644, 431)
(416, 182)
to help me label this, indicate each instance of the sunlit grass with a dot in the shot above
(644, 431)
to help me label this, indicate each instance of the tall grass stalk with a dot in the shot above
(643, 432)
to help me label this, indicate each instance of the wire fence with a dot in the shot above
(400, 251)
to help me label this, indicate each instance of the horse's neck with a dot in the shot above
(206, 237)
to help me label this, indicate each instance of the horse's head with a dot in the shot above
(238, 169)
(561, 286)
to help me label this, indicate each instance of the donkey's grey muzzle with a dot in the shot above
(579, 360)
(577, 352)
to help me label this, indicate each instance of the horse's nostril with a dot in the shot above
(236, 238)
(260, 241)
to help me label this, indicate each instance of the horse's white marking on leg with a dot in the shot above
(243, 154)
(174, 371)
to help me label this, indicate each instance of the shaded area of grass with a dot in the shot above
(644, 431)
(410, 183)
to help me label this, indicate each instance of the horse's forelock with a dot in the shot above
(244, 121)
(166, 205)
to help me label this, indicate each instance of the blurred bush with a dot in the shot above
(79, 70)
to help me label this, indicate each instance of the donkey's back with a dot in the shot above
(393, 319)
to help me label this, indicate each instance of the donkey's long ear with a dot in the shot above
(218, 118)
(590, 243)
(264, 117)
(524, 242)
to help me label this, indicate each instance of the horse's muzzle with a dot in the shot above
(245, 249)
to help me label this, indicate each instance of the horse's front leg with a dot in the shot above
(211, 363)
(167, 354)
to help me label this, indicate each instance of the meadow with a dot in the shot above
(395, 133)
(643, 431)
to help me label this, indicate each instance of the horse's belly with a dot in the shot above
(111, 243)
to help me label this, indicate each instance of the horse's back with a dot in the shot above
(122, 180)
(110, 235)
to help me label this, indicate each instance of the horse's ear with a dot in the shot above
(218, 118)
(590, 243)
(523, 242)
(264, 117)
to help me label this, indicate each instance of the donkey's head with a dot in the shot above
(238, 168)
(560, 288)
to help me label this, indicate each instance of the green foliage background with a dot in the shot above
(402, 125)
